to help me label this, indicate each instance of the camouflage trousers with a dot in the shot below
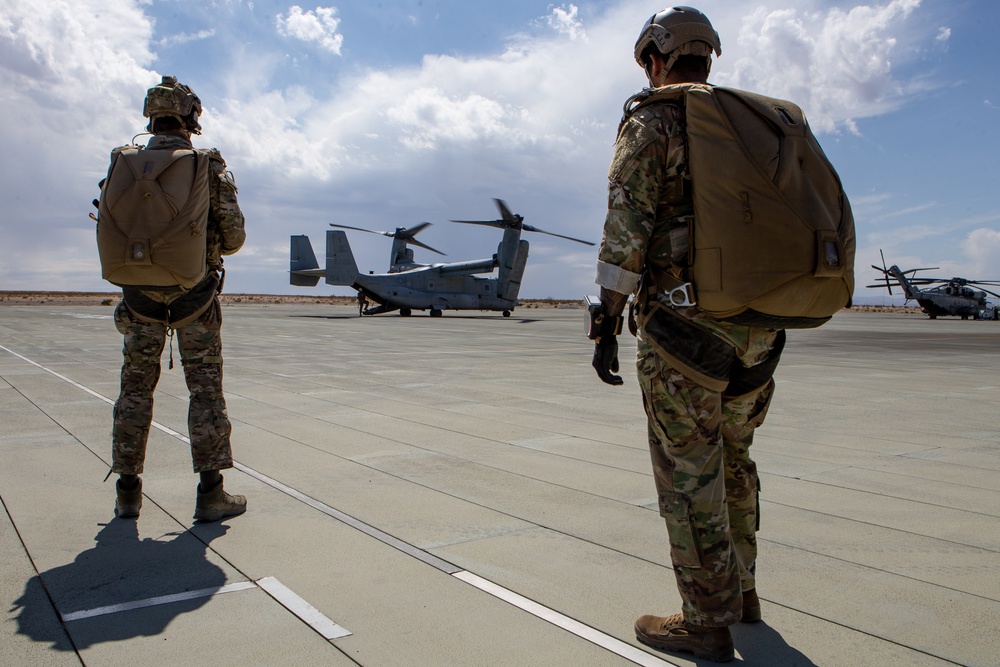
(707, 485)
(200, 347)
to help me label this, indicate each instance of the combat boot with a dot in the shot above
(672, 633)
(751, 606)
(128, 501)
(216, 504)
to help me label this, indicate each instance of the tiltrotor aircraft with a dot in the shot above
(409, 286)
(950, 296)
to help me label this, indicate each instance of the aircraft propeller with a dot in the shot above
(510, 220)
(400, 233)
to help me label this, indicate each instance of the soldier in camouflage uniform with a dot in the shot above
(146, 317)
(700, 427)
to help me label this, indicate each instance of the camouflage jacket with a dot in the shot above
(649, 198)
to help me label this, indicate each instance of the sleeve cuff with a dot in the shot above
(615, 278)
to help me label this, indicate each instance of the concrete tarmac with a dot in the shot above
(464, 491)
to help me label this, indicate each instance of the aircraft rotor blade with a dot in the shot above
(413, 231)
(362, 229)
(991, 293)
(412, 241)
(511, 218)
(530, 228)
(499, 224)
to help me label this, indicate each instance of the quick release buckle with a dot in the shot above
(678, 297)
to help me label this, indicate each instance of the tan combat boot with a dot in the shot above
(672, 633)
(128, 502)
(751, 606)
(217, 504)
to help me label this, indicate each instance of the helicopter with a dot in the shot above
(950, 296)
(409, 286)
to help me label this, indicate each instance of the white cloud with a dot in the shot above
(315, 25)
(836, 64)
(62, 56)
(186, 37)
(429, 116)
(982, 247)
(563, 19)
(70, 89)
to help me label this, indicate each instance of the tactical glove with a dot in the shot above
(606, 360)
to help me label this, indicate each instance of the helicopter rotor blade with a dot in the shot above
(885, 272)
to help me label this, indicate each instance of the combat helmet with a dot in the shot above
(678, 31)
(170, 98)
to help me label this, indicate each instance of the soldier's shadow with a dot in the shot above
(120, 569)
(760, 644)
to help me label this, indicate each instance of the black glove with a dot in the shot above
(606, 360)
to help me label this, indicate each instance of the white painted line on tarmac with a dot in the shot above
(154, 602)
(309, 614)
(575, 627)
(579, 629)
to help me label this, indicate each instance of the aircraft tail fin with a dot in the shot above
(303, 268)
(341, 269)
(510, 274)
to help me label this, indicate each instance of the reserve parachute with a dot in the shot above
(153, 218)
(772, 243)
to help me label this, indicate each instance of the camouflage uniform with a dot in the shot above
(706, 384)
(144, 319)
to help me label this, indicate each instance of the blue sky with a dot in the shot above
(385, 114)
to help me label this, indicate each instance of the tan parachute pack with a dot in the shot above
(153, 218)
(773, 242)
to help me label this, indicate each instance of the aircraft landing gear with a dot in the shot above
(405, 312)
(435, 312)
(506, 313)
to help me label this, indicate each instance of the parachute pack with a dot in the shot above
(772, 243)
(153, 218)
